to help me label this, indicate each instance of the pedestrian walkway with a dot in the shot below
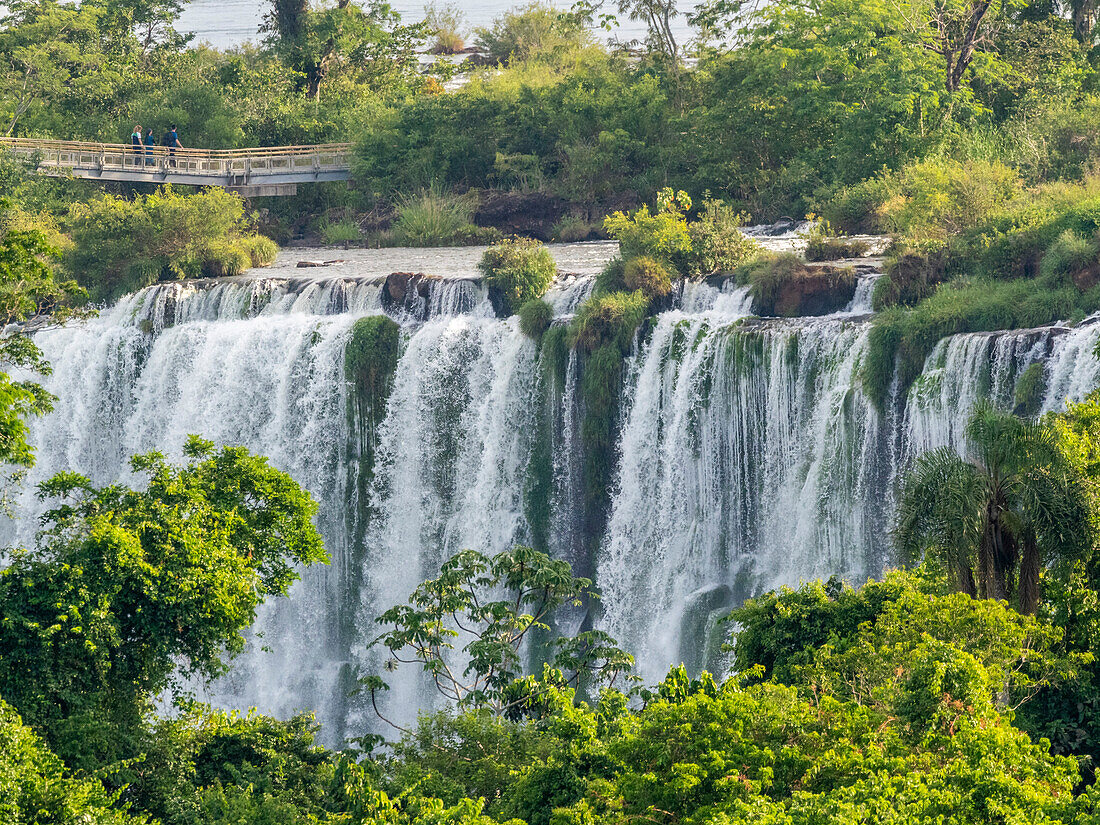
(275, 170)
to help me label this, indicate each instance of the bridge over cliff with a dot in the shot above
(274, 170)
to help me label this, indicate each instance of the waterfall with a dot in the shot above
(746, 456)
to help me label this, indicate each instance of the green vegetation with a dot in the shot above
(434, 217)
(518, 270)
(120, 245)
(535, 317)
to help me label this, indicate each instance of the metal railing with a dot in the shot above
(303, 162)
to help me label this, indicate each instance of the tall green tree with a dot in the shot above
(128, 589)
(996, 515)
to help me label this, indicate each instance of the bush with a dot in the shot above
(717, 242)
(1068, 256)
(648, 276)
(609, 319)
(434, 217)
(535, 317)
(519, 270)
(858, 208)
(534, 31)
(344, 232)
(225, 258)
(120, 245)
(662, 234)
(572, 228)
(446, 23)
(261, 249)
(936, 198)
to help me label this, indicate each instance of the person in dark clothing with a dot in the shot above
(135, 140)
(150, 142)
(172, 140)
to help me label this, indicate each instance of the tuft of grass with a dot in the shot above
(572, 228)
(342, 232)
(1069, 255)
(1031, 386)
(609, 320)
(535, 317)
(433, 217)
(261, 249)
(447, 22)
(225, 258)
(647, 275)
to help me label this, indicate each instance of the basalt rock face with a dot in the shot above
(408, 291)
(808, 291)
(517, 213)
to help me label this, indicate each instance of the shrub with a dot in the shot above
(261, 249)
(120, 245)
(434, 217)
(573, 227)
(610, 278)
(535, 317)
(939, 197)
(223, 258)
(609, 319)
(717, 242)
(858, 208)
(662, 234)
(519, 270)
(1069, 255)
(534, 31)
(344, 231)
(446, 23)
(648, 276)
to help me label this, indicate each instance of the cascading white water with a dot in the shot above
(748, 455)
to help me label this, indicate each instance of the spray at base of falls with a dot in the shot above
(746, 453)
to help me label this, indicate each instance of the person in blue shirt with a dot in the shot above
(150, 142)
(172, 140)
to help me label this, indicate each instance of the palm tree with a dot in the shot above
(995, 516)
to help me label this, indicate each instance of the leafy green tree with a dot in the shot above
(997, 516)
(35, 786)
(491, 606)
(367, 42)
(128, 589)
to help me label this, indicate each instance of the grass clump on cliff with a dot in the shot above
(535, 317)
(518, 270)
(436, 217)
(609, 319)
(121, 244)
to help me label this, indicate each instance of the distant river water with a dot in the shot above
(225, 23)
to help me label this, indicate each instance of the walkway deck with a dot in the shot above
(272, 170)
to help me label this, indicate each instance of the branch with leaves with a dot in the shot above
(467, 630)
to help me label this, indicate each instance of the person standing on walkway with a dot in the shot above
(172, 140)
(135, 140)
(150, 142)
